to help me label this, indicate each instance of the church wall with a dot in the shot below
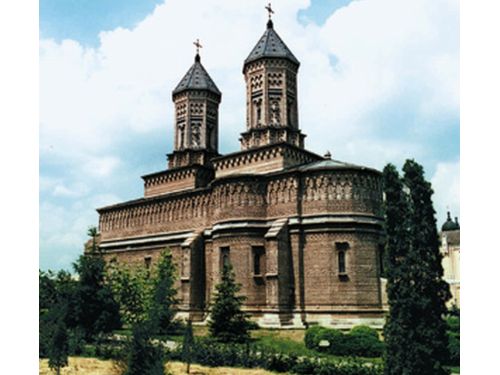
(324, 287)
(241, 258)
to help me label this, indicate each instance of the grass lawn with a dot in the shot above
(92, 366)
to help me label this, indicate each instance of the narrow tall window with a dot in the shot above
(341, 256)
(342, 248)
(147, 262)
(258, 260)
(224, 254)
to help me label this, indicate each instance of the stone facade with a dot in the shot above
(303, 232)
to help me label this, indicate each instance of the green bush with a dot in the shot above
(312, 336)
(453, 340)
(360, 341)
(211, 353)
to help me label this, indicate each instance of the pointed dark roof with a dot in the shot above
(271, 45)
(196, 78)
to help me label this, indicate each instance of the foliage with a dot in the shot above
(94, 309)
(360, 341)
(213, 353)
(161, 312)
(415, 332)
(227, 322)
(133, 291)
(144, 357)
(58, 348)
(453, 333)
(187, 345)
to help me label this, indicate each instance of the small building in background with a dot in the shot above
(450, 249)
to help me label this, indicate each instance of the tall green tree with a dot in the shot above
(416, 293)
(228, 323)
(397, 327)
(94, 309)
(433, 291)
(58, 348)
(162, 309)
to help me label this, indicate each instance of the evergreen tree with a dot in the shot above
(414, 286)
(164, 299)
(227, 322)
(430, 349)
(144, 357)
(187, 345)
(397, 328)
(58, 348)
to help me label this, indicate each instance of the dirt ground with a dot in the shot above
(93, 366)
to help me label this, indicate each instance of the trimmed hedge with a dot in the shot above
(360, 341)
(209, 353)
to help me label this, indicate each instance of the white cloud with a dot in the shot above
(387, 51)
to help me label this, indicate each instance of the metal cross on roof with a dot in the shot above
(198, 46)
(269, 10)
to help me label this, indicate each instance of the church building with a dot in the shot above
(302, 231)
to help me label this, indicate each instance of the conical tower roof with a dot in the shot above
(271, 45)
(196, 78)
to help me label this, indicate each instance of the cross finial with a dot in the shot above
(198, 46)
(269, 10)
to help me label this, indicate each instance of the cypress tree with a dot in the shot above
(430, 349)
(398, 326)
(415, 331)
(227, 322)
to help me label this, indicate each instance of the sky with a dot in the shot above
(378, 83)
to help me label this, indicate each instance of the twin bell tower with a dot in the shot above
(270, 72)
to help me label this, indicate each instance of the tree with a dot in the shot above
(227, 322)
(58, 348)
(430, 351)
(93, 309)
(187, 345)
(164, 299)
(414, 286)
(132, 289)
(144, 357)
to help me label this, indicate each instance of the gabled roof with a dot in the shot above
(271, 45)
(196, 78)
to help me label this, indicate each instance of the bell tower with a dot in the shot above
(196, 99)
(270, 72)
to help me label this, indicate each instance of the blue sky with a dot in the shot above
(378, 83)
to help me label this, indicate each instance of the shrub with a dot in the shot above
(360, 341)
(453, 340)
(209, 352)
(365, 341)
